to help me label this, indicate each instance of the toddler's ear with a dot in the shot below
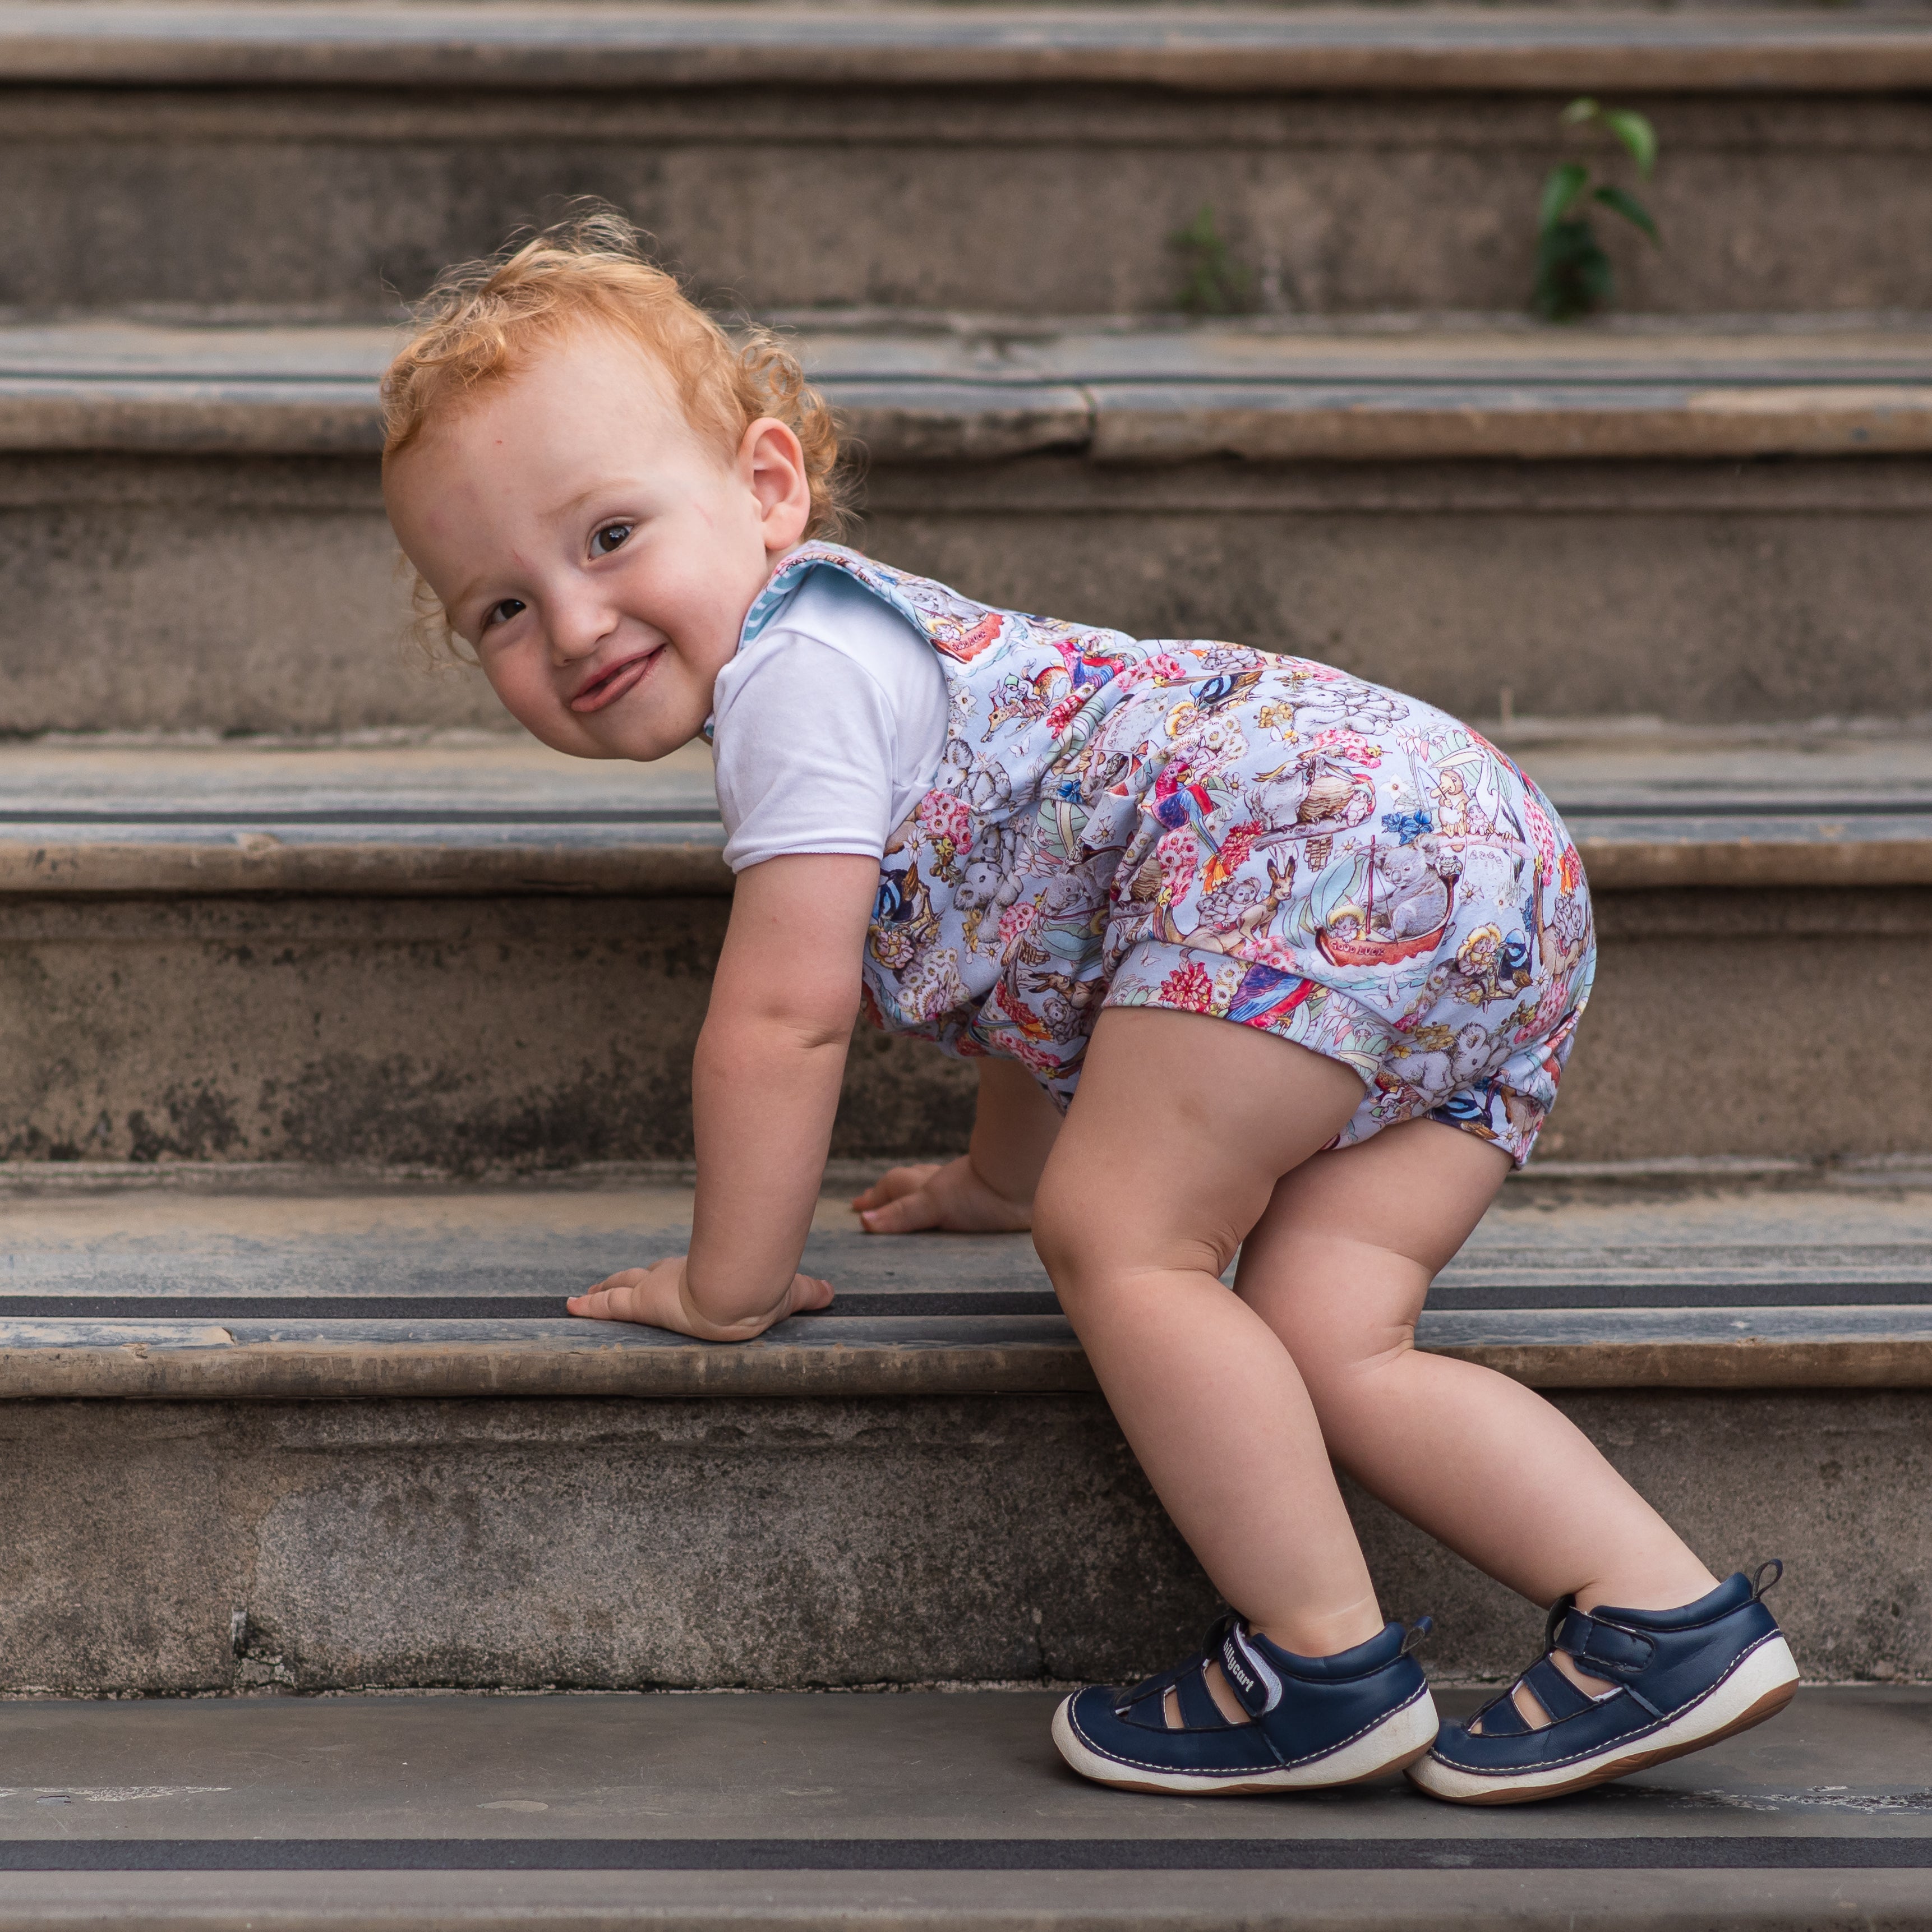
(771, 461)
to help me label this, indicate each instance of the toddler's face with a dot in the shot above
(597, 551)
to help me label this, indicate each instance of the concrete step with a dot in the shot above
(330, 1297)
(941, 1810)
(310, 160)
(322, 1431)
(468, 813)
(244, 952)
(1714, 523)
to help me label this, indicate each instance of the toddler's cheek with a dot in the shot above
(527, 693)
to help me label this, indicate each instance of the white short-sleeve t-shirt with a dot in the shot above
(828, 728)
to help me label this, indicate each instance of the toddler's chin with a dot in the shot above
(641, 739)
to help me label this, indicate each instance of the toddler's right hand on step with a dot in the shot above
(907, 1200)
(660, 1296)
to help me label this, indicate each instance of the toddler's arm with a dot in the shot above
(989, 1190)
(764, 1088)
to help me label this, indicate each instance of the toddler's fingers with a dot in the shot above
(905, 1216)
(808, 1291)
(895, 1182)
(610, 1301)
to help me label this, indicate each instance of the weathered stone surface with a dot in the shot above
(171, 594)
(1039, 200)
(1727, 1022)
(541, 1032)
(1237, 50)
(583, 1543)
(921, 389)
(1696, 592)
(1827, 1482)
(253, 595)
(774, 1544)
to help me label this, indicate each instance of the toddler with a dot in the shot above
(1249, 955)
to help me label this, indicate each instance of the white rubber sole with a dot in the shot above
(1759, 1688)
(1397, 1742)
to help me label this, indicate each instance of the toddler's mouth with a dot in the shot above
(608, 686)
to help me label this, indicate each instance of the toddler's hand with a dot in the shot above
(660, 1296)
(905, 1199)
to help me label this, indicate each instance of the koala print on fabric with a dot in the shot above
(1217, 830)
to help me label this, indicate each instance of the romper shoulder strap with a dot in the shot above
(957, 627)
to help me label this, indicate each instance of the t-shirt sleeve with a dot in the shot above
(805, 754)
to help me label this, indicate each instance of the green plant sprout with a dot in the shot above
(1574, 275)
(1216, 283)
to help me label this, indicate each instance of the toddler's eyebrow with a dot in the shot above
(602, 487)
(471, 587)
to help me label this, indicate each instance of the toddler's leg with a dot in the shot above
(1189, 1137)
(1171, 1152)
(1338, 1267)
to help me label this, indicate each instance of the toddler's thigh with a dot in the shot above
(1181, 1125)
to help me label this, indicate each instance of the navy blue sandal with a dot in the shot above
(1316, 1721)
(1681, 1679)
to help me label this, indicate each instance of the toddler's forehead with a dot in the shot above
(556, 386)
(609, 373)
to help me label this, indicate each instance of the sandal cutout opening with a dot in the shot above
(1217, 1687)
(1528, 1707)
(1222, 1692)
(1534, 1711)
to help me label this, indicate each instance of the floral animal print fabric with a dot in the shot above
(1218, 830)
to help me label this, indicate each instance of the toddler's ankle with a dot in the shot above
(1322, 1633)
(1658, 1586)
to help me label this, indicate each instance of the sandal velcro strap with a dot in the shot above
(1254, 1681)
(1603, 1649)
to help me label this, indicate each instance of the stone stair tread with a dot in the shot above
(1233, 48)
(830, 1328)
(255, 1293)
(473, 812)
(947, 1806)
(445, 780)
(1374, 1898)
(1589, 771)
(914, 1768)
(1869, 1347)
(988, 388)
(1502, 351)
(1550, 1241)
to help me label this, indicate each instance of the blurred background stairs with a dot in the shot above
(343, 1033)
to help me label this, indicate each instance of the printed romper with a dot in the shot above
(1219, 830)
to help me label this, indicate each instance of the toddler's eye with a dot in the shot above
(612, 536)
(502, 613)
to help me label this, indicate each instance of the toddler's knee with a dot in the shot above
(1091, 1246)
(1347, 1373)
(1083, 1247)
(1062, 1233)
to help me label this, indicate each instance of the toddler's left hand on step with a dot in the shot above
(908, 1200)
